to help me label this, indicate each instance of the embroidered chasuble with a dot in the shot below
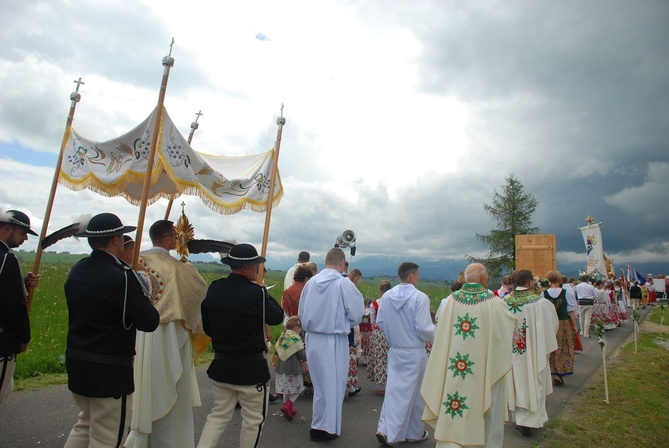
(471, 353)
(534, 338)
(165, 381)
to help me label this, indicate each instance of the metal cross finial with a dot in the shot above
(78, 83)
(282, 109)
(183, 205)
(171, 45)
(198, 115)
(589, 219)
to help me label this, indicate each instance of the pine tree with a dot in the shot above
(512, 210)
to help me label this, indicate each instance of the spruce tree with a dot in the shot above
(512, 210)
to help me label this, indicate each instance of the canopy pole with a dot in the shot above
(75, 97)
(270, 200)
(193, 126)
(168, 62)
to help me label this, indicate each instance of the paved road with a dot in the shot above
(44, 418)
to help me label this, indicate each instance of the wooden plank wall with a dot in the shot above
(536, 253)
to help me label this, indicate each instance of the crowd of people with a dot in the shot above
(132, 336)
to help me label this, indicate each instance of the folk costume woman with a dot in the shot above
(561, 360)
(377, 363)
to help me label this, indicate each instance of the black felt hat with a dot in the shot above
(105, 224)
(18, 219)
(242, 255)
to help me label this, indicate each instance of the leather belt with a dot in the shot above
(244, 357)
(98, 358)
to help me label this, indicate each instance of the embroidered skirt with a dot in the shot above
(562, 359)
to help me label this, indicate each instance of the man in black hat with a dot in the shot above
(106, 305)
(234, 314)
(14, 322)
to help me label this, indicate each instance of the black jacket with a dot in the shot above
(232, 314)
(103, 323)
(14, 322)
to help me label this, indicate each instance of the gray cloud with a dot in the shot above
(571, 97)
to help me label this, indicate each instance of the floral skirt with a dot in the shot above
(377, 363)
(600, 311)
(289, 384)
(365, 341)
(562, 359)
(352, 368)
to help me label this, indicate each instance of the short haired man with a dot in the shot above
(234, 314)
(534, 338)
(635, 295)
(330, 306)
(404, 317)
(14, 321)
(302, 257)
(464, 383)
(586, 295)
(106, 305)
(166, 384)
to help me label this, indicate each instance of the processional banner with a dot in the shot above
(592, 237)
(117, 167)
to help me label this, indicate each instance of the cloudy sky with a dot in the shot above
(403, 117)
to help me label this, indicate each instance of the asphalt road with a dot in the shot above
(43, 418)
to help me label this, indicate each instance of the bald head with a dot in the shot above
(476, 273)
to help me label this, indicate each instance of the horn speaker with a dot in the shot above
(346, 238)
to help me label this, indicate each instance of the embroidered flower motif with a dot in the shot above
(515, 307)
(455, 405)
(461, 365)
(466, 326)
(472, 293)
(520, 339)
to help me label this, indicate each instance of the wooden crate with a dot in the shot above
(536, 253)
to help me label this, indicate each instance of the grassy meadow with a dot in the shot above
(44, 361)
(639, 400)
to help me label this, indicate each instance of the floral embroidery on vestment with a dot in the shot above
(472, 293)
(518, 298)
(455, 404)
(466, 326)
(461, 365)
(520, 339)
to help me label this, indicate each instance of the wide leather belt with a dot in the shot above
(98, 358)
(240, 357)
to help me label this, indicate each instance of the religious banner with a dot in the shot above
(117, 167)
(592, 237)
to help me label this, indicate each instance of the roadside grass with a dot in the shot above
(656, 315)
(43, 363)
(638, 401)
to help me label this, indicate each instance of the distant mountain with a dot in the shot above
(382, 266)
(431, 269)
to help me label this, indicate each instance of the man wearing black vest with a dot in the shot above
(234, 314)
(106, 305)
(14, 322)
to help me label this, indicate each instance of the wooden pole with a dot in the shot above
(270, 200)
(168, 62)
(75, 97)
(193, 126)
(602, 344)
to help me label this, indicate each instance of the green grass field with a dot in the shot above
(639, 401)
(48, 317)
